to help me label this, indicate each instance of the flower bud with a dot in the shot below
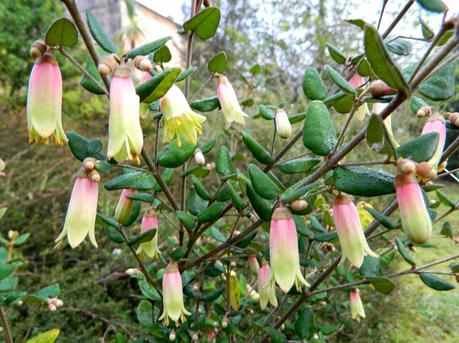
(355, 302)
(172, 336)
(436, 123)
(13, 234)
(89, 163)
(253, 264)
(299, 205)
(59, 303)
(133, 271)
(207, 3)
(266, 286)
(413, 212)
(424, 111)
(228, 101)
(103, 69)
(426, 171)
(179, 119)
(145, 65)
(173, 306)
(124, 208)
(80, 219)
(2, 165)
(225, 322)
(44, 102)
(406, 166)
(356, 81)
(52, 307)
(38, 49)
(283, 247)
(210, 165)
(379, 88)
(149, 222)
(283, 126)
(194, 337)
(199, 157)
(354, 245)
(94, 176)
(125, 138)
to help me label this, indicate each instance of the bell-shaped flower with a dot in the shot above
(173, 306)
(266, 287)
(436, 123)
(253, 264)
(179, 120)
(124, 207)
(283, 126)
(44, 102)
(283, 249)
(415, 219)
(149, 222)
(229, 103)
(125, 138)
(80, 219)
(355, 302)
(378, 107)
(354, 245)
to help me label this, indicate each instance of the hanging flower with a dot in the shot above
(253, 264)
(266, 287)
(80, 220)
(436, 123)
(229, 103)
(173, 306)
(149, 222)
(377, 109)
(355, 302)
(354, 245)
(283, 247)
(283, 126)
(125, 138)
(44, 102)
(124, 208)
(179, 119)
(415, 219)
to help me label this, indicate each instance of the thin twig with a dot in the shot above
(6, 326)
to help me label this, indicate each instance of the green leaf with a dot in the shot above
(454, 266)
(381, 218)
(371, 267)
(178, 253)
(143, 237)
(49, 336)
(341, 102)
(399, 46)
(90, 85)
(416, 103)
(185, 73)
(363, 181)
(404, 252)
(447, 230)
(162, 55)
(51, 291)
(326, 237)
(381, 62)
(194, 203)
(144, 313)
(378, 138)
(148, 291)
(212, 296)
(261, 206)
(441, 85)
(435, 282)
(206, 105)
(276, 336)
(433, 5)
(200, 188)
(313, 87)
(339, 80)
(304, 325)
(381, 284)
(199, 171)
(173, 155)
(223, 164)
(337, 56)
(445, 200)
(296, 118)
(445, 38)
(98, 33)
(6, 269)
(114, 235)
(357, 22)
(21, 239)
(3, 211)
(103, 167)
(212, 212)
(427, 32)
(208, 146)
(148, 48)
(145, 197)
(266, 112)
(218, 63)
(257, 150)
(157, 86)
(186, 219)
(364, 69)
(205, 23)
(319, 132)
(298, 165)
(62, 33)
(262, 184)
(139, 181)
(217, 235)
(108, 221)
(296, 191)
(79, 146)
(421, 148)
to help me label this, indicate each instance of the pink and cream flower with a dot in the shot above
(124, 207)
(229, 103)
(266, 288)
(149, 222)
(436, 123)
(355, 302)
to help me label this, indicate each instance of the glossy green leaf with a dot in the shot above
(454, 266)
(319, 132)
(223, 164)
(378, 138)
(206, 105)
(148, 290)
(98, 33)
(49, 336)
(421, 148)
(266, 112)
(173, 155)
(79, 146)
(298, 165)
(381, 218)
(200, 188)
(194, 203)
(298, 191)
(371, 267)
(178, 253)
(90, 85)
(339, 80)
(51, 291)
(441, 85)
(156, 87)
(313, 87)
(143, 237)
(304, 325)
(205, 23)
(381, 284)
(364, 69)
(404, 252)
(185, 74)
(341, 102)
(296, 118)
(144, 312)
(162, 55)
(257, 150)
(199, 171)
(437, 6)
(261, 183)
(337, 56)
(217, 64)
(435, 282)
(148, 48)
(186, 219)
(208, 146)
(399, 46)
(62, 33)
(325, 237)
(212, 212)
(261, 206)
(427, 32)
(416, 103)
(381, 62)
(363, 181)
(445, 200)
(139, 181)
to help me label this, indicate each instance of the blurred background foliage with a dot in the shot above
(268, 45)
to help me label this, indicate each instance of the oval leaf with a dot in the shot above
(205, 23)
(363, 181)
(98, 33)
(62, 33)
(319, 132)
